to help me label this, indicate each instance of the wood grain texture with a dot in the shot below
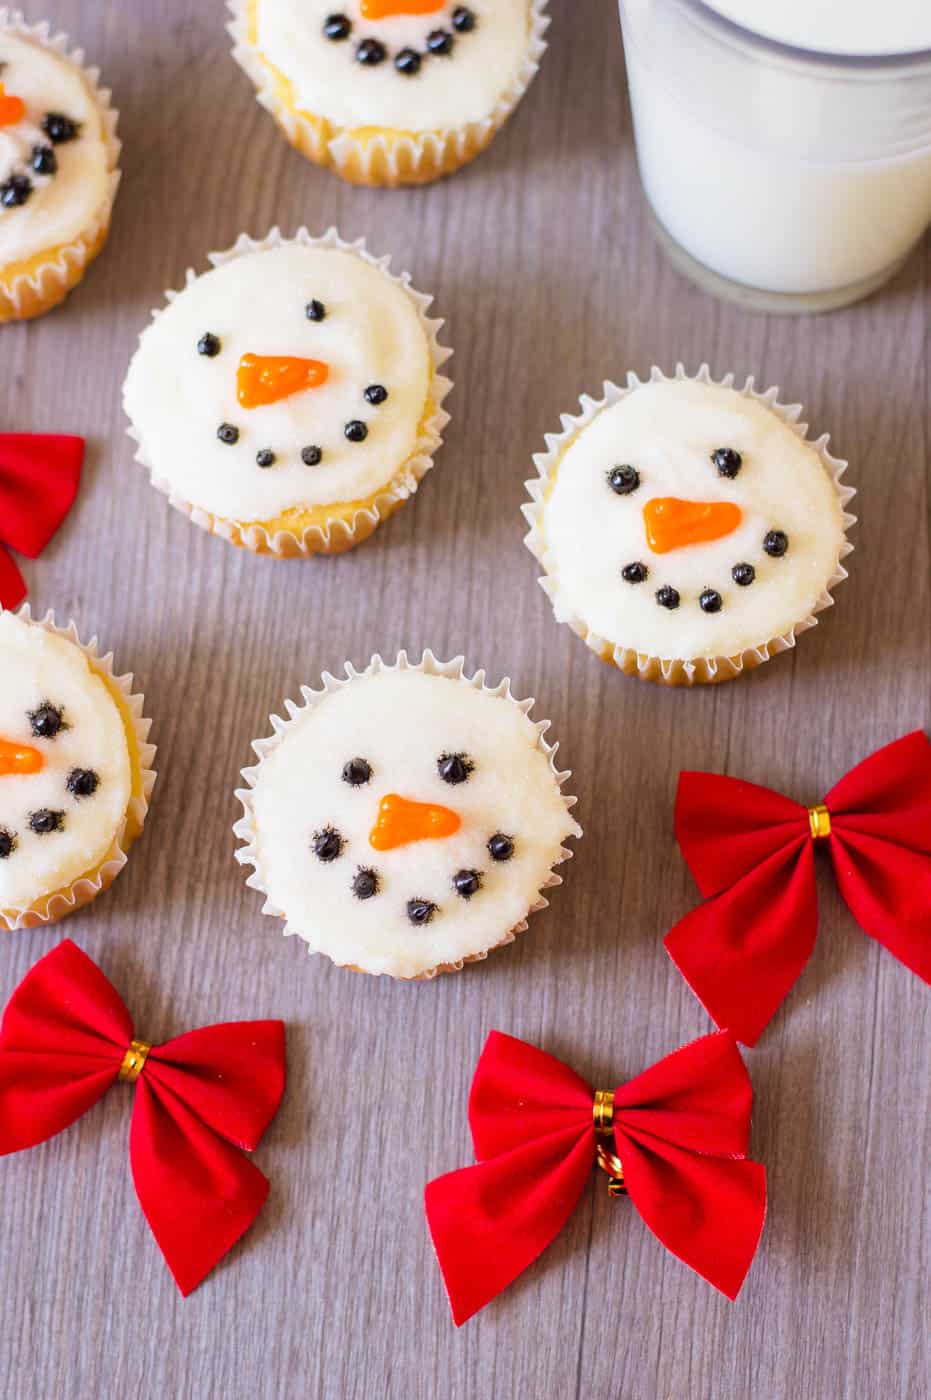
(542, 263)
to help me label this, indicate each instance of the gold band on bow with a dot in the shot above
(819, 819)
(603, 1111)
(134, 1061)
(603, 1114)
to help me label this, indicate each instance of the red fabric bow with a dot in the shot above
(751, 852)
(681, 1131)
(63, 1040)
(39, 478)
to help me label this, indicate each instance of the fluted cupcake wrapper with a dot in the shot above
(245, 831)
(48, 282)
(674, 670)
(54, 906)
(337, 534)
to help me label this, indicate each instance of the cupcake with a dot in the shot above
(688, 530)
(58, 175)
(290, 399)
(75, 774)
(405, 820)
(389, 92)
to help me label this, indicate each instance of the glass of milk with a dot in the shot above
(784, 145)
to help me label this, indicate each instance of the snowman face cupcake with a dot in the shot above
(286, 385)
(688, 521)
(405, 821)
(66, 767)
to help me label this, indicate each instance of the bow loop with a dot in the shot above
(39, 478)
(726, 827)
(231, 1076)
(519, 1092)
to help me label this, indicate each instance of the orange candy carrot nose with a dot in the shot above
(400, 821)
(388, 9)
(19, 758)
(12, 109)
(673, 524)
(262, 379)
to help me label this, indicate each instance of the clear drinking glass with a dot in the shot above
(781, 178)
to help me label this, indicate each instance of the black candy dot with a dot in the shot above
(337, 27)
(315, 310)
(634, 573)
(776, 542)
(356, 430)
(209, 344)
(467, 883)
(371, 52)
(454, 767)
(228, 434)
(83, 782)
(311, 456)
(439, 41)
(376, 394)
(624, 479)
(463, 19)
(710, 601)
(327, 844)
(668, 597)
(407, 61)
(743, 574)
(727, 460)
(500, 847)
(420, 911)
(47, 721)
(265, 458)
(7, 843)
(43, 160)
(365, 883)
(15, 191)
(357, 772)
(45, 821)
(59, 128)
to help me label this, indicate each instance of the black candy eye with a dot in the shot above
(407, 61)
(15, 191)
(357, 772)
(45, 821)
(7, 843)
(467, 883)
(371, 52)
(376, 394)
(501, 847)
(327, 844)
(463, 19)
(454, 767)
(311, 456)
(776, 542)
(59, 128)
(43, 160)
(439, 41)
(316, 311)
(668, 597)
(337, 27)
(710, 601)
(47, 721)
(727, 460)
(228, 433)
(209, 344)
(265, 458)
(365, 883)
(356, 430)
(743, 574)
(635, 573)
(83, 782)
(624, 479)
(420, 911)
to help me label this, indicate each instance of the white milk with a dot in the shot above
(809, 179)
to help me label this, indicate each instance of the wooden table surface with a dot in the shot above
(541, 260)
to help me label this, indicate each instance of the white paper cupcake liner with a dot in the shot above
(31, 294)
(51, 907)
(390, 157)
(706, 670)
(338, 534)
(244, 829)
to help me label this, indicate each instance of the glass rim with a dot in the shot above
(912, 58)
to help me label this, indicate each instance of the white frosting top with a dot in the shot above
(448, 91)
(401, 723)
(826, 26)
(40, 668)
(61, 206)
(372, 334)
(667, 431)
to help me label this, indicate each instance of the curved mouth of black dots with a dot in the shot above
(372, 52)
(710, 600)
(42, 161)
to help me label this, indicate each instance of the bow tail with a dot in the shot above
(12, 583)
(491, 1221)
(707, 1211)
(742, 951)
(198, 1193)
